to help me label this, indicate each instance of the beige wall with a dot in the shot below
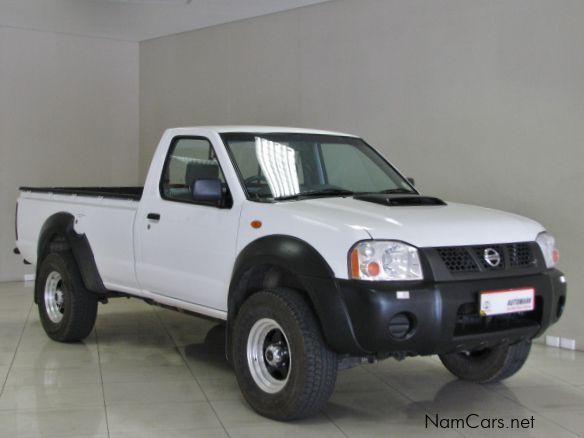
(68, 116)
(481, 101)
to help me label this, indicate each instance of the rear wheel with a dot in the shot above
(67, 309)
(283, 366)
(488, 365)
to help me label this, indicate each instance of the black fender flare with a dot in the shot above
(62, 224)
(285, 251)
(315, 277)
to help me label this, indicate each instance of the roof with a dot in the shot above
(264, 129)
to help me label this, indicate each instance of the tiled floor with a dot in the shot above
(147, 372)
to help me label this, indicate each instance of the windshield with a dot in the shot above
(281, 166)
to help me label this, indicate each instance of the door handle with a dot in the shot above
(153, 216)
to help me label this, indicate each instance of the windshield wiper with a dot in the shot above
(397, 190)
(316, 193)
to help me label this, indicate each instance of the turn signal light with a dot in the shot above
(355, 263)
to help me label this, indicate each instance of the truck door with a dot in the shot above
(186, 248)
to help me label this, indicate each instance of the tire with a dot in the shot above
(279, 324)
(67, 310)
(489, 365)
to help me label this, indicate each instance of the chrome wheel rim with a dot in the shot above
(268, 355)
(54, 301)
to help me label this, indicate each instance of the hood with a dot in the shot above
(422, 226)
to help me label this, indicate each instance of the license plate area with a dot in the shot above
(500, 302)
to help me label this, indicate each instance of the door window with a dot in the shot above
(188, 160)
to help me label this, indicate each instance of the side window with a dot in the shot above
(188, 159)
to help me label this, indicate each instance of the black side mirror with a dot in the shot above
(208, 190)
(411, 180)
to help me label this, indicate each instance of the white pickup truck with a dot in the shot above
(315, 251)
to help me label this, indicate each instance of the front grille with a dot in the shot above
(521, 254)
(457, 259)
(487, 258)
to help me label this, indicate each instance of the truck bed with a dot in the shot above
(104, 215)
(133, 193)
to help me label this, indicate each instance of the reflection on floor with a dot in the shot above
(148, 372)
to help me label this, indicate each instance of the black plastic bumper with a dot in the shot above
(361, 317)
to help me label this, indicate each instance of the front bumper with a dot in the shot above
(442, 316)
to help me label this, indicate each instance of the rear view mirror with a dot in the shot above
(207, 190)
(411, 180)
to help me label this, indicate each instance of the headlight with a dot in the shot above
(547, 243)
(384, 261)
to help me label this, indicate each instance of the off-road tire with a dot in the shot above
(489, 365)
(313, 366)
(80, 305)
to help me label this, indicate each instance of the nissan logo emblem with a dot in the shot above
(492, 257)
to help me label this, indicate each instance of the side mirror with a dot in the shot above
(207, 190)
(411, 180)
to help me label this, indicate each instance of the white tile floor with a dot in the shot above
(146, 372)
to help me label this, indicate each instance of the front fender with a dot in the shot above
(313, 275)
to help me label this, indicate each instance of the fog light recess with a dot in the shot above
(401, 325)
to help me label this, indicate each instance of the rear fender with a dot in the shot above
(57, 234)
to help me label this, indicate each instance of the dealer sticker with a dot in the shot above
(507, 301)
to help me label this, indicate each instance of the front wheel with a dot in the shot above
(282, 364)
(67, 310)
(488, 365)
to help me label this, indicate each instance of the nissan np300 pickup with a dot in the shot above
(314, 250)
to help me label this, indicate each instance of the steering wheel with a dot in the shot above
(257, 179)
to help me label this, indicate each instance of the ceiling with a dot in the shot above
(133, 20)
